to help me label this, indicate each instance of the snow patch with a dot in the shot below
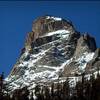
(54, 18)
(84, 60)
(63, 33)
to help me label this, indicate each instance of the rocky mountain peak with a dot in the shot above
(46, 24)
(49, 23)
(53, 49)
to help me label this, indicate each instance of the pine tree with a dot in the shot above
(66, 89)
(47, 93)
(31, 96)
(1, 86)
(96, 89)
(83, 82)
(92, 79)
(52, 89)
(42, 93)
(58, 88)
(98, 69)
(37, 91)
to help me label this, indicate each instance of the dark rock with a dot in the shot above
(97, 53)
(90, 41)
(27, 58)
(43, 40)
(22, 51)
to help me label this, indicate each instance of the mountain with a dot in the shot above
(53, 49)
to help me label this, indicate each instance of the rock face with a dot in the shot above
(97, 53)
(85, 43)
(53, 49)
(46, 24)
(95, 62)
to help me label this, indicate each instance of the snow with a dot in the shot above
(82, 61)
(63, 33)
(41, 76)
(50, 67)
(54, 18)
(65, 63)
(34, 58)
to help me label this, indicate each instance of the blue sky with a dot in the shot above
(16, 20)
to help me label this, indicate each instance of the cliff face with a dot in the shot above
(85, 43)
(53, 49)
(94, 64)
(44, 25)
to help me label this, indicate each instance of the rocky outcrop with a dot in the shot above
(95, 62)
(70, 69)
(97, 53)
(85, 43)
(45, 24)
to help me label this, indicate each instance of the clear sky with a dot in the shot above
(16, 20)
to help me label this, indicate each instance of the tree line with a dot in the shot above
(84, 90)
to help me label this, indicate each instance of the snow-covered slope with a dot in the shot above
(52, 53)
